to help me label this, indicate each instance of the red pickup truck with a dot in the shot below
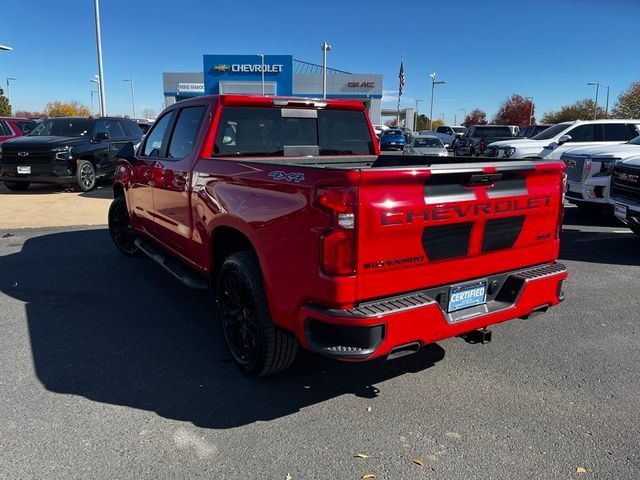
(306, 235)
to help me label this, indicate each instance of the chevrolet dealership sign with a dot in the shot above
(249, 68)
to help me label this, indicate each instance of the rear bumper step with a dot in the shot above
(398, 325)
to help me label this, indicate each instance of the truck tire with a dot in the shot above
(257, 345)
(120, 229)
(17, 186)
(85, 176)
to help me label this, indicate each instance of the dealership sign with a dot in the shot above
(249, 68)
(191, 87)
(361, 84)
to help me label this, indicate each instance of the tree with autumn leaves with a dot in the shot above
(516, 110)
(475, 117)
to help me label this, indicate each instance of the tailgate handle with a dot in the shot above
(483, 179)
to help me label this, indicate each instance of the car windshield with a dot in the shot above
(551, 131)
(427, 143)
(62, 127)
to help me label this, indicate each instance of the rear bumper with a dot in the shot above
(377, 328)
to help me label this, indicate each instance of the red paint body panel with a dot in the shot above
(185, 204)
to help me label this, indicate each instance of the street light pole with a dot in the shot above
(433, 86)
(530, 108)
(325, 48)
(92, 109)
(415, 123)
(607, 107)
(95, 80)
(103, 102)
(133, 95)
(442, 117)
(465, 114)
(9, 94)
(6, 48)
(595, 107)
(261, 55)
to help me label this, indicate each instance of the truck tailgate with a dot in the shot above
(443, 224)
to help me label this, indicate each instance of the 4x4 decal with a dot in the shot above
(289, 177)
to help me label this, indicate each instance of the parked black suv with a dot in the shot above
(75, 150)
(475, 140)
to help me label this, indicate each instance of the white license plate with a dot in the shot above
(620, 211)
(24, 170)
(467, 295)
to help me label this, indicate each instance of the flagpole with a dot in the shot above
(400, 89)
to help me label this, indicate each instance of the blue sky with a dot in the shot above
(485, 50)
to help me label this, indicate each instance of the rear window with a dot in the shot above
(485, 132)
(393, 133)
(267, 131)
(427, 143)
(25, 125)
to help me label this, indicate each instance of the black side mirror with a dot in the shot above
(128, 153)
(101, 136)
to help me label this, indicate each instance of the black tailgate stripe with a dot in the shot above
(501, 233)
(447, 241)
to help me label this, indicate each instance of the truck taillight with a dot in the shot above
(563, 188)
(337, 245)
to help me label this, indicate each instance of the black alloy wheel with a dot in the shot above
(257, 345)
(122, 233)
(85, 176)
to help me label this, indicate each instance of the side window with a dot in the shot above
(632, 131)
(185, 132)
(615, 132)
(4, 129)
(114, 130)
(155, 142)
(583, 133)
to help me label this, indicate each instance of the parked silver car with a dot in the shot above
(426, 145)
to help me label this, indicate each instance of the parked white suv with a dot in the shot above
(625, 192)
(589, 171)
(448, 134)
(554, 141)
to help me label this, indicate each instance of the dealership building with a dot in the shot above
(277, 75)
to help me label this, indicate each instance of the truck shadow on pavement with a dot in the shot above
(119, 331)
(597, 246)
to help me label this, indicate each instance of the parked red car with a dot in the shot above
(11, 127)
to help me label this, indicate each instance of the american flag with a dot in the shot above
(401, 77)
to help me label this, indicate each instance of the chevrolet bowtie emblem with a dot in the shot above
(222, 68)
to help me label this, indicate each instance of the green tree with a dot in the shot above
(422, 123)
(5, 106)
(580, 110)
(66, 109)
(628, 103)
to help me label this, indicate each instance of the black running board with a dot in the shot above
(173, 266)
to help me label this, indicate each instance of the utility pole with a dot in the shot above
(607, 107)
(103, 102)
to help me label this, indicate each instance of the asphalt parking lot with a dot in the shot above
(112, 369)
